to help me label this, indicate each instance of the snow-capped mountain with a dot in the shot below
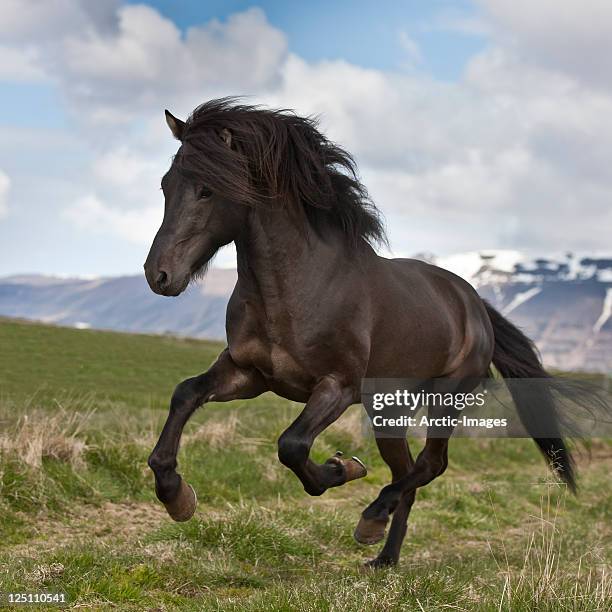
(563, 302)
(499, 266)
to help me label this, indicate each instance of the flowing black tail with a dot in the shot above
(515, 356)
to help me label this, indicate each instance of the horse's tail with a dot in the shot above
(515, 356)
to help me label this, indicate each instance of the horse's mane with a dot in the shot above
(278, 159)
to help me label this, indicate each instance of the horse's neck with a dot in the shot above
(278, 263)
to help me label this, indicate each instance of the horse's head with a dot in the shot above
(197, 221)
(235, 159)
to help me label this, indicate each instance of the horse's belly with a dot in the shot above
(284, 375)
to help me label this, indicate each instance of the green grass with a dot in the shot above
(81, 410)
(49, 363)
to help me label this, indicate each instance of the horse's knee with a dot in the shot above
(292, 451)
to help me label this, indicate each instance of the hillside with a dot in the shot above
(41, 363)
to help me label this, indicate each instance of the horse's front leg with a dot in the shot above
(329, 399)
(224, 381)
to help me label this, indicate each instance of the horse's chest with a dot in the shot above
(269, 349)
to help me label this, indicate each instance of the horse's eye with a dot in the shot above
(204, 193)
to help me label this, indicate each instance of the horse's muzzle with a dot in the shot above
(162, 282)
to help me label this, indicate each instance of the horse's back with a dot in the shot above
(427, 321)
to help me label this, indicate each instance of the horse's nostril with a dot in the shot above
(162, 279)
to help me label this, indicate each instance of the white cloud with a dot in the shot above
(125, 168)
(144, 49)
(499, 154)
(5, 185)
(571, 37)
(130, 177)
(20, 64)
(115, 63)
(48, 20)
(246, 52)
(134, 225)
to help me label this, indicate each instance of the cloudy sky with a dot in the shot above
(476, 125)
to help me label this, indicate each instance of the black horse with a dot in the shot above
(315, 309)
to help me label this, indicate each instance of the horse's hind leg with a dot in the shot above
(328, 401)
(431, 463)
(396, 454)
(224, 381)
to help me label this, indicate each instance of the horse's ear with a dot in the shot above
(177, 127)
(226, 136)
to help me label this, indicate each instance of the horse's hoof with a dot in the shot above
(380, 563)
(370, 531)
(353, 467)
(182, 508)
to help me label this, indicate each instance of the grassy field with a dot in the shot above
(81, 410)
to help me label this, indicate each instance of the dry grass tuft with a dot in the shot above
(546, 574)
(40, 435)
(223, 433)
(216, 433)
(44, 572)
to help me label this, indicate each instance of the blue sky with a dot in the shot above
(472, 123)
(364, 33)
